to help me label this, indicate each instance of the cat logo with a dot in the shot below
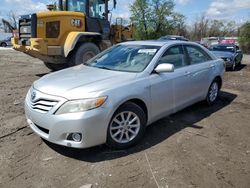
(76, 23)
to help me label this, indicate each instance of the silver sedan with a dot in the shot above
(115, 95)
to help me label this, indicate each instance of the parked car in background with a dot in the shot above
(228, 41)
(230, 53)
(6, 42)
(115, 95)
(173, 37)
(209, 41)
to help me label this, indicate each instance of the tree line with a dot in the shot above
(155, 18)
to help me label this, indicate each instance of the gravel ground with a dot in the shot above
(198, 147)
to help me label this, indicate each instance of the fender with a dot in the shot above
(74, 37)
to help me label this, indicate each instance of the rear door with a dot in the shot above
(201, 71)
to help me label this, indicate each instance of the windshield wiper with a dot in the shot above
(102, 67)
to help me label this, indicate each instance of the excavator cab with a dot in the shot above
(96, 12)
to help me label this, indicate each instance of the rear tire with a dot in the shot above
(83, 53)
(213, 93)
(127, 126)
(55, 67)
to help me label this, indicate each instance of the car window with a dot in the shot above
(197, 55)
(174, 55)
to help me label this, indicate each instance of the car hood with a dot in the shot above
(221, 54)
(81, 82)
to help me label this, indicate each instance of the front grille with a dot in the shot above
(43, 105)
(42, 102)
(27, 28)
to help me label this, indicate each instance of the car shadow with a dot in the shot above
(155, 134)
(240, 67)
(237, 68)
(43, 74)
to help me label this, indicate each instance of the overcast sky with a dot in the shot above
(238, 10)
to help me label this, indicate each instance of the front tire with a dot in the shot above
(233, 66)
(213, 92)
(84, 52)
(127, 126)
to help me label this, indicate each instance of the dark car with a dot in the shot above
(6, 42)
(173, 37)
(230, 53)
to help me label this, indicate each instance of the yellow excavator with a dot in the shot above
(72, 32)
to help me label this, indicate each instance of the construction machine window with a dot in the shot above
(77, 5)
(97, 9)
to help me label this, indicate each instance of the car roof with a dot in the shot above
(173, 36)
(157, 42)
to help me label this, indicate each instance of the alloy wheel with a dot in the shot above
(124, 127)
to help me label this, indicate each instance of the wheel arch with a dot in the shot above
(75, 38)
(219, 79)
(136, 101)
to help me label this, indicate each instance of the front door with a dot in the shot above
(170, 90)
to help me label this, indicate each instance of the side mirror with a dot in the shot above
(238, 51)
(164, 67)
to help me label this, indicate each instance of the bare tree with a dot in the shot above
(7, 27)
(9, 23)
(13, 19)
(200, 28)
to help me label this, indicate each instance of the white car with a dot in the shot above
(115, 95)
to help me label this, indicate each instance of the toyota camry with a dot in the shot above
(113, 97)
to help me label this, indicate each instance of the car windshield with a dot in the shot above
(127, 58)
(223, 48)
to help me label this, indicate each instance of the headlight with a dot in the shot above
(81, 105)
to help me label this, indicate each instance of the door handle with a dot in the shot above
(187, 73)
(212, 66)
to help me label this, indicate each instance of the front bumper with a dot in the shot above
(91, 124)
(37, 47)
(228, 64)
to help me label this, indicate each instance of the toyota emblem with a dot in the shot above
(33, 95)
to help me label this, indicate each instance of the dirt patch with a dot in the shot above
(198, 147)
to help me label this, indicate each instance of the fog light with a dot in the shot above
(76, 137)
